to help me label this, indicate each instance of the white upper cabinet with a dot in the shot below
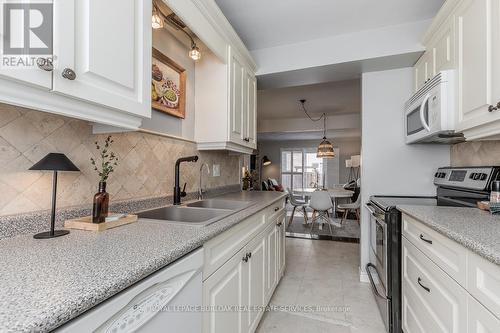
(442, 47)
(251, 113)
(101, 64)
(237, 100)
(423, 70)
(465, 36)
(33, 75)
(227, 96)
(99, 67)
(103, 51)
(474, 21)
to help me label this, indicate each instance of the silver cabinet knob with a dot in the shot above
(45, 64)
(69, 74)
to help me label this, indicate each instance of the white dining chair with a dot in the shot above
(346, 208)
(321, 203)
(296, 203)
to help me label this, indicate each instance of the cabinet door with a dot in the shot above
(236, 101)
(474, 29)
(280, 234)
(422, 70)
(480, 319)
(443, 47)
(255, 280)
(225, 288)
(495, 74)
(11, 68)
(432, 301)
(252, 111)
(271, 260)
(107, 45)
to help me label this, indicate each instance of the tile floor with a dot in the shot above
(322, 273)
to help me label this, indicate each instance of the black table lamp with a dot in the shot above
(54, 162)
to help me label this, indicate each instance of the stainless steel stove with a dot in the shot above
(459, 187)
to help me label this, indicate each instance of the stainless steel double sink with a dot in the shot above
(199, 213)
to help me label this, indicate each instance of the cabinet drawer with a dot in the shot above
(275, 210)
(480, 319)
(447, 254)
(220, 249)
(483, 282)
(432, 301)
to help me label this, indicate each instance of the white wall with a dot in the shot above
(389, 166)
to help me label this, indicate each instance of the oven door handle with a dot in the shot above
(422, 116)
(372, 283)
(367, 206)
(375, 215)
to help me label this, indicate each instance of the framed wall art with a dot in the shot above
(168, 86)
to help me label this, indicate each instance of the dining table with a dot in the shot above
(335, 193)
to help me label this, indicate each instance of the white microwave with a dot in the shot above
(430, 112)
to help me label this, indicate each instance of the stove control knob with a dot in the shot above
(484, 176)
(477, 176)
(472, 175)
(443, 175)
(436, 175)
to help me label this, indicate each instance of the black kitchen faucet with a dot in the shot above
(177, 189)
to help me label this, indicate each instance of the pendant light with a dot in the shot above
(325, 148)
(156, 20)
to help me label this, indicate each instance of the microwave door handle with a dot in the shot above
(422, 109)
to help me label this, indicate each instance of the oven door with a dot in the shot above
(377, 268)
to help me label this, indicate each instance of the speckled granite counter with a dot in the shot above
(477, 230)
(45, 283)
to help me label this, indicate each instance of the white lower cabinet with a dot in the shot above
(435, 297)
(236, 293)
(271, 261)
(480, 319)
(223, 290)
(432, 301)
(255, 280)
(280, 246)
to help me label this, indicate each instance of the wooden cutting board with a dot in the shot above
(85, 223)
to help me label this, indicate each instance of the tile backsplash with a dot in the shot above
(479, 153)
(146, 162)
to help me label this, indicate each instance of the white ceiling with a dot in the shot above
(331, 98)
(309, 135)
(264, 23)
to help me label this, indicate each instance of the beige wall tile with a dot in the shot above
(480, 153)
(145, 169)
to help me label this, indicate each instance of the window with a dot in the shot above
(300, 168)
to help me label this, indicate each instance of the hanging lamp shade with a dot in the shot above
(325, 149)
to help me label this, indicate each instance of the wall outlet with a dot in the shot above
(216, 170)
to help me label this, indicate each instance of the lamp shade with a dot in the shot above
(325, 149)
(356, 161)
(266, 161)
(55, 162)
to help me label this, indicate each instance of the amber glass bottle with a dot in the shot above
(101, 204)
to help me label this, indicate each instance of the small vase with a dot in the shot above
(101, 204)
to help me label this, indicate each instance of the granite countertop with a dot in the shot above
(46, 283)
(475, 229)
